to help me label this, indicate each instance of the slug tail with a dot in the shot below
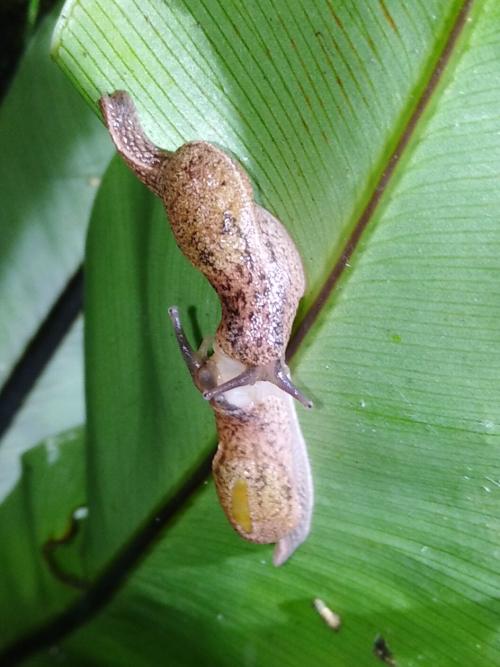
(304, 485)
(142, 156)
(288, 544)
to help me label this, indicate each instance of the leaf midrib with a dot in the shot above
(381, 185)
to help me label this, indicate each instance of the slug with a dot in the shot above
(261, 468)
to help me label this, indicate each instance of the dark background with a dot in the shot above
(18, 20)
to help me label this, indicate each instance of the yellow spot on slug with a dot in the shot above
(239, 506)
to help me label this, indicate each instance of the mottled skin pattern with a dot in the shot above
(142, 156)
(261, 443)
(252, 263)
(255, 447)
(245, 253)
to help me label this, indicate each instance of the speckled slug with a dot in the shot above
(261, 468)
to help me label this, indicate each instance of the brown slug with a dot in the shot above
(261, 468)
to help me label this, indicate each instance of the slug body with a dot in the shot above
(261, 468)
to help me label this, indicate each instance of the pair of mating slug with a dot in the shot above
(261, 468)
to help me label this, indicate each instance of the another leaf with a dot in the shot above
(36, 511)
(52, 157)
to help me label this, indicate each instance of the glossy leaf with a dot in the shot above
(86, 28)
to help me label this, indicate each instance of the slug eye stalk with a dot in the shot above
(273, 372)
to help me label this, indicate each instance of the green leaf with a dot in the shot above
(52, 157)
(402, 360)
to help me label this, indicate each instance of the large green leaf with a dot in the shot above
(402, 360)
(209, 70)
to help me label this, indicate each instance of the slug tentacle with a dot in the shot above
(261, 468)
(192, 359)
(248, 377)
(275, 372)
(279, 375)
